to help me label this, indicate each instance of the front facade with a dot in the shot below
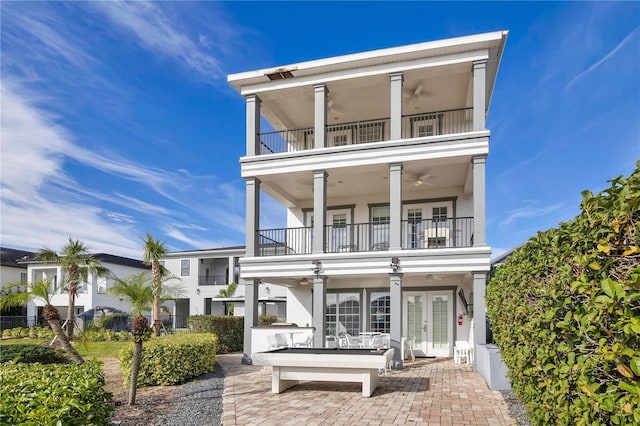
(204, 273)
(92, 294)
(379, 158)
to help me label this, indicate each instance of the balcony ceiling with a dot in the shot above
(439, 88)
(343, 184)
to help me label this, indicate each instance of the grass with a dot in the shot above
(89, 350)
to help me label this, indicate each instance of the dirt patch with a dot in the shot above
(151, 402)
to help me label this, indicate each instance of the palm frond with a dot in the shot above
(136, 290)
(38, 290)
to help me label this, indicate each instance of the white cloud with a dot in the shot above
(529, 211)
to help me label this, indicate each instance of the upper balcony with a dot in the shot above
(425, 124)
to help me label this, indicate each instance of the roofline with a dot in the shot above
(503, 42)
(362, 56)
(240, 250)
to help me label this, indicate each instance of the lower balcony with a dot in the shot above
(373, 236)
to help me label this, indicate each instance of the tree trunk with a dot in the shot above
(72, 289)
(57, 330)
(157, 323)
(135, 369)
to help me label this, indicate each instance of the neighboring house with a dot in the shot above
(379, 158)
(91, 294)
(203, 273)
(11, 271)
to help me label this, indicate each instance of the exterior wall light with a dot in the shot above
(317, 266)
(395, 264)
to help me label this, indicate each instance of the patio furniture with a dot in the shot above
(331, 342)
(353, 342)
(408, 348)
(306, 343)
(281, 340)
(291, 365)
(462, 350)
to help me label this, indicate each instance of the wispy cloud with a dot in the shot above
(156, 32)
(531, 210)
(601, 61)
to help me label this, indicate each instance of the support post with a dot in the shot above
(250, 316)
(479, 308)
(395, 290)
(253, 125)
(395, 132)
(319, 310)
(252, 216)
(395, 206)
(320, 129)
(479, 94)
(479, 201)
(319, 210)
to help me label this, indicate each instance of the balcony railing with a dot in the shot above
(213, 280)
(374, 236)
(427, 124)
(284, 241)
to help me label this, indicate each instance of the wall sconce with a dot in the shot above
(317, 266)
(395, 264)
(304, 281)
(198, 291)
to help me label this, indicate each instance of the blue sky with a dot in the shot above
(117, 119)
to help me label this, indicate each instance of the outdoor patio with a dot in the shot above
(427, 392)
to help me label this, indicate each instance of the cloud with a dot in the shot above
(601, 61)
(156, 32)
(529, 211)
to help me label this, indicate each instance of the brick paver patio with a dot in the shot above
(427, 392)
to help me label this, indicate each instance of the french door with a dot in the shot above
(428, 321)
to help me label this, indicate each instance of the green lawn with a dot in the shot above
(88, 350)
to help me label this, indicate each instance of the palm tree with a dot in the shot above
(228, 292)
(136, 290)
(153, 251)
(40, 290)
(77, 263)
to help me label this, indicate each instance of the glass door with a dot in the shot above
(414, 217)
(428, 321)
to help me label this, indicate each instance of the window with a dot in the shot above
(414, 227)
(439, 214)
(380, 218)
(339, 140)
(380, 313)
(339, 235)
(339, 135)
(185, 267)
(426, 125)
(102, 285)
(370, 132)
(436, 242)
(425, 130)
(161, 262)
(343, 314)
(23, 277)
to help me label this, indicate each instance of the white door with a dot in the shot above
(428, 321)
(414, 216)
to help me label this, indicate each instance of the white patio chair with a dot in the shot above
(282, 340)
(306, 343)
(462, 350)
(331, 342)
(352, 342)
(408, 348)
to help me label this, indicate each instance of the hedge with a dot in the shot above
(565, 312)
(229, 329)
(39, 332)
(30, 353)
(172, 359)
(68, 394)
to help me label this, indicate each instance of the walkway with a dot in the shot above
(427, 392)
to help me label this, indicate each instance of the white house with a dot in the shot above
(11, 271)
(91, 294)
(203, 273)
(379, 158)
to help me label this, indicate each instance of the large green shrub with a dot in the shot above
(30, 353)
(172, 359)
(565, 311)
(67, 394)
(229, 329)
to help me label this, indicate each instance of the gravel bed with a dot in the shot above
(199, 402)
(516, 408)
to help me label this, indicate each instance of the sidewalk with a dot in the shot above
(427, 392)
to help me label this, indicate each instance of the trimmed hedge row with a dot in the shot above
(40, 332)
(107, 335)
(229, 329)
(565, 312)
(68, 394)
(172, 359)
(29, 353)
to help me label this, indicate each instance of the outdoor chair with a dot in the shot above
(306, 343)
(352, 342)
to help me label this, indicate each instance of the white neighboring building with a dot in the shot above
(379, 158)
(91, 294)
(11, 271)
(203, 273)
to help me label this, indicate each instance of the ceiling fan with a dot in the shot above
(416, 95)
(419, 179)
(332, 110)
(435, 277)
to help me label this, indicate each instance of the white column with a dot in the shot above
(252, 216)
(319, 210)
(479, 201)
(320, 131)
(479, 94)
(395, 295)
(395, 206)
(253, 125)
(319, 310)
(479, 308)
(231, 266)
(250, 316)
(395, 131)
